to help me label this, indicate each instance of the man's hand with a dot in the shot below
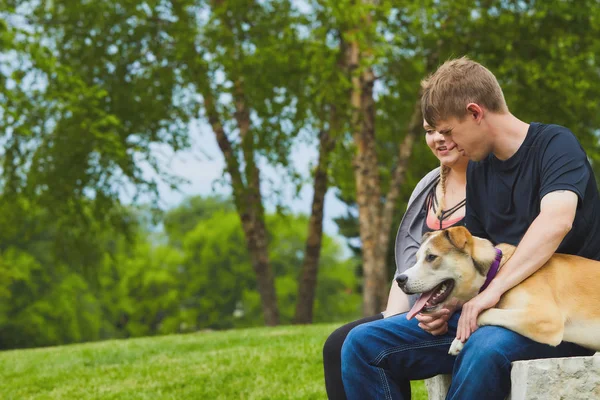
(467, 323)
(436, 322)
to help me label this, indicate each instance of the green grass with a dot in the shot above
(261, 363)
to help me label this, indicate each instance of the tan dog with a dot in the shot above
(561, 301)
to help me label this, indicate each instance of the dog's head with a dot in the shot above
(451, 266)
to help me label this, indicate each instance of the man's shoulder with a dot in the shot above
(542, 127)
(553, 140)
(546, 133)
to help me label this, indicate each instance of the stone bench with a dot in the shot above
(570, 378)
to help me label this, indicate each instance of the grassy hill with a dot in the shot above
(261, 363)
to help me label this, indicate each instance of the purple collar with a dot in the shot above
(493, 270)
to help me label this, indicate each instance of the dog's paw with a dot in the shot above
(455, 347)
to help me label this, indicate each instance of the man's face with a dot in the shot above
(469, 137)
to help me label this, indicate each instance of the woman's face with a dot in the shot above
(437, 144)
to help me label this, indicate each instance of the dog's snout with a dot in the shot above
(402, 280)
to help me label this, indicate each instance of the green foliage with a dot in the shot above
(336, 296)
(218, 286)
(39, 309)
(89, 91)
(153, 283)
(217, 270)
(146, 287)
(184, 218)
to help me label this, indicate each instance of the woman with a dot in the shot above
(437, 202)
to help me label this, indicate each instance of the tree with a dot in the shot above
(312, 253)
(325, 92)
(358, 28)
(241, 60)
(146, 291)
(87, 90)
(399, 46)
(51, 295)
(219, 289)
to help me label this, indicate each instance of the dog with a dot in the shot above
(559, 302)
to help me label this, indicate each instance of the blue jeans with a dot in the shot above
(380, 358)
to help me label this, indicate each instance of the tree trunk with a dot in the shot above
(256, 239)
(310, 267)
(398, 177)
(368, 190)
(248, 200)
(375, 216)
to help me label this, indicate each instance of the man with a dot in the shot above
(529, 185)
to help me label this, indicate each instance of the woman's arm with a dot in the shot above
(397, 301)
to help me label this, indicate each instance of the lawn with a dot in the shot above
(261, 363)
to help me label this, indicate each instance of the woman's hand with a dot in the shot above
(436, 322)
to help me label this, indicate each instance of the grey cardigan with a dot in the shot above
(408, 238)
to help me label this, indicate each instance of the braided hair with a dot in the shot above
(444, 170)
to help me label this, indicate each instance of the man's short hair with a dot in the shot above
(456, 83)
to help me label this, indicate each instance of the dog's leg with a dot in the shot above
(543, 328)
(456, 347)
(584, 333)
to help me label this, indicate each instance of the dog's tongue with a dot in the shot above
(420, 303)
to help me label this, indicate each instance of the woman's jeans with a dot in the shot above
(380, 358)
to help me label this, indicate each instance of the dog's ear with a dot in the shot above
(425, 236)
(459, 236)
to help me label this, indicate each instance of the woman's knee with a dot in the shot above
(333, 345)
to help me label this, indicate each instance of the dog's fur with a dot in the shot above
(558, 302)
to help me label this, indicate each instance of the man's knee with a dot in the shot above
(489, 345)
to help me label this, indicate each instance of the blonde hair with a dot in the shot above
(455, 84)
(443, 176)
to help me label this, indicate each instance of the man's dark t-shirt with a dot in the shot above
(503, 197)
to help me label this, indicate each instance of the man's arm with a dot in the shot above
(557, 212)
(540, 241)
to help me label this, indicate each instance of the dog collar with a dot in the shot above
(493, 270)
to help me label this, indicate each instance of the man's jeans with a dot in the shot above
(380, 358)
